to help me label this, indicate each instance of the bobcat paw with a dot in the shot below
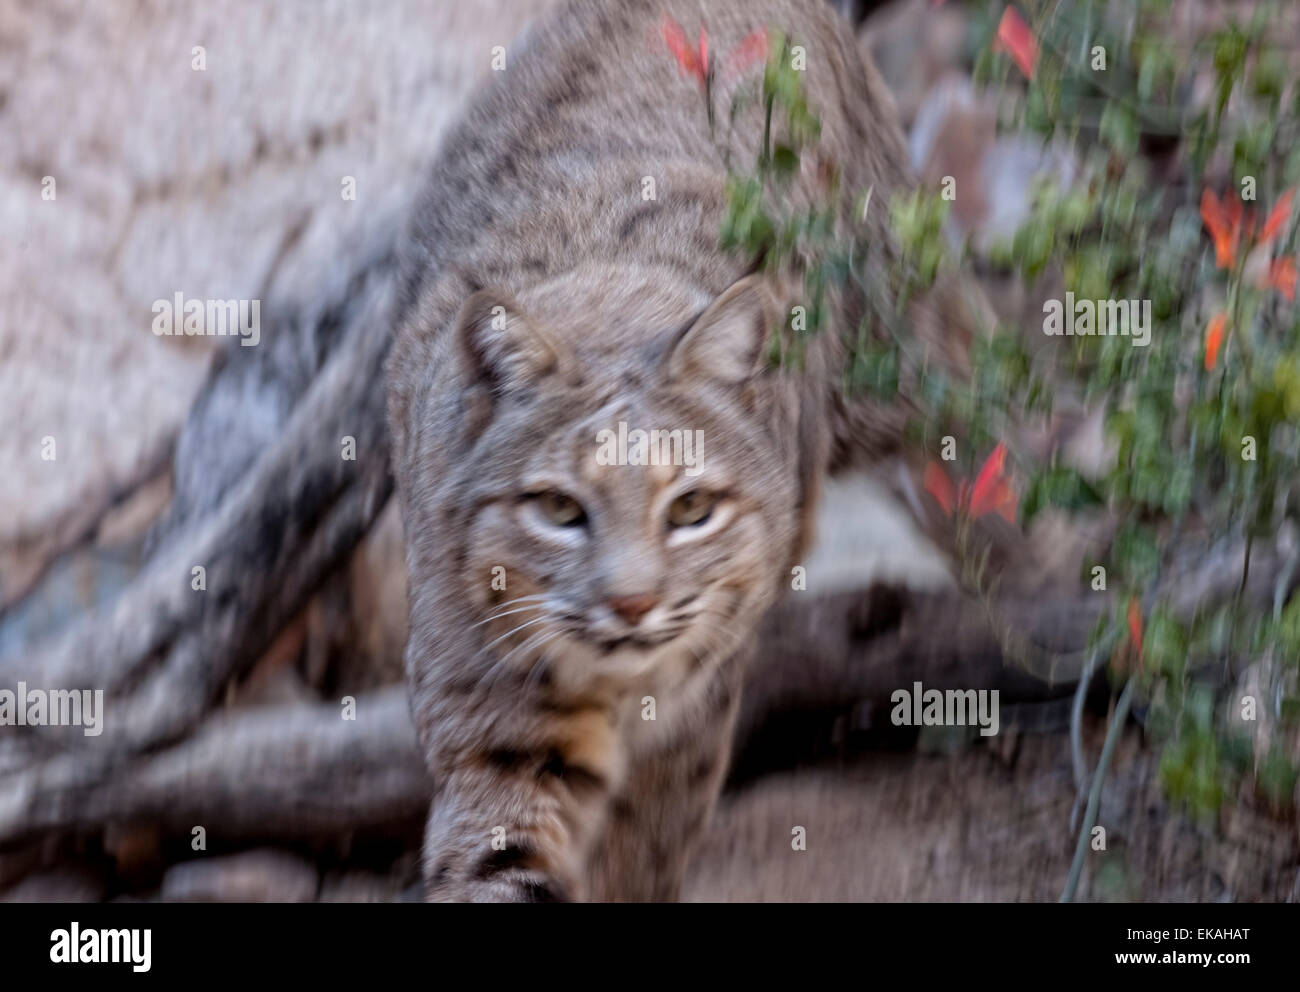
(503, 885)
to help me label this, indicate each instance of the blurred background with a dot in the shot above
(202, 148)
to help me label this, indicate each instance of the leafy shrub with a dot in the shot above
(1187, 155)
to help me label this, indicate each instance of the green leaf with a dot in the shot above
(1291, 171)
(1276, 779)
(875, 368)
(1290, 715)
(1287, 629)
(785, 160)
(1270, 75)
(1135, 556)
(1164, 643)
(1059, 487)
(1032, 246)
(1229, 51)
(1119, 129)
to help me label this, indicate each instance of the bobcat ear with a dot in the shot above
(499, 346)
(726, 341)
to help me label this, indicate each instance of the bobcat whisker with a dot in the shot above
(508, 634)
(532, 597)
(531, 641)
(537, 665)
(510, 613)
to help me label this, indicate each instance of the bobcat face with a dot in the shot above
(642, 507)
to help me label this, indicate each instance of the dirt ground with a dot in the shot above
(981, 826)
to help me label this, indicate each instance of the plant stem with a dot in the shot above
(1076, 716)
(1236, 602)
(767, 130)
(1094, 797)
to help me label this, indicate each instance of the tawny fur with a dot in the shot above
(549, 781)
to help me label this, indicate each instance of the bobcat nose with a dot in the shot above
(633, 608)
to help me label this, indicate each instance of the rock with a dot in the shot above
(136, 849)
(16, 863)
(252, 876)
(955, 134)
(914, 44)
(359, 886)
(69, 884)
(169, 179)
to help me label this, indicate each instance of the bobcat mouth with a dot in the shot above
(643, 641)
(608, 644)
(577, 627)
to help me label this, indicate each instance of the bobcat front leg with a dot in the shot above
(668, 794)
(513, 819)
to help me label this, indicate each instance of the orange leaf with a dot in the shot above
(687, 58)
(938, 485)
(1213, 339)
(1015, 38)
(1135, 626)
(1282, 276)
(1277, 217)
(1223, 226)
(992, 492)
(1212, 212)
(751, 50)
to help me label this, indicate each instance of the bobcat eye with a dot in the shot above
(691, 509)
(560, 510)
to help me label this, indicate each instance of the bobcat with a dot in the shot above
(579, 630)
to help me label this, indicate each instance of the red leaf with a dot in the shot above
(687, 58)
(1223, 227)
(1213, 339)
(1015, 38)
(1212, 212)
(1135, 626)
(992, 492)
(751, 50)
(1277, 217)
(1282, 276)
(938, 485)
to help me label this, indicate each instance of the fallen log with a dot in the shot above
(282, 772)
(163, 649)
